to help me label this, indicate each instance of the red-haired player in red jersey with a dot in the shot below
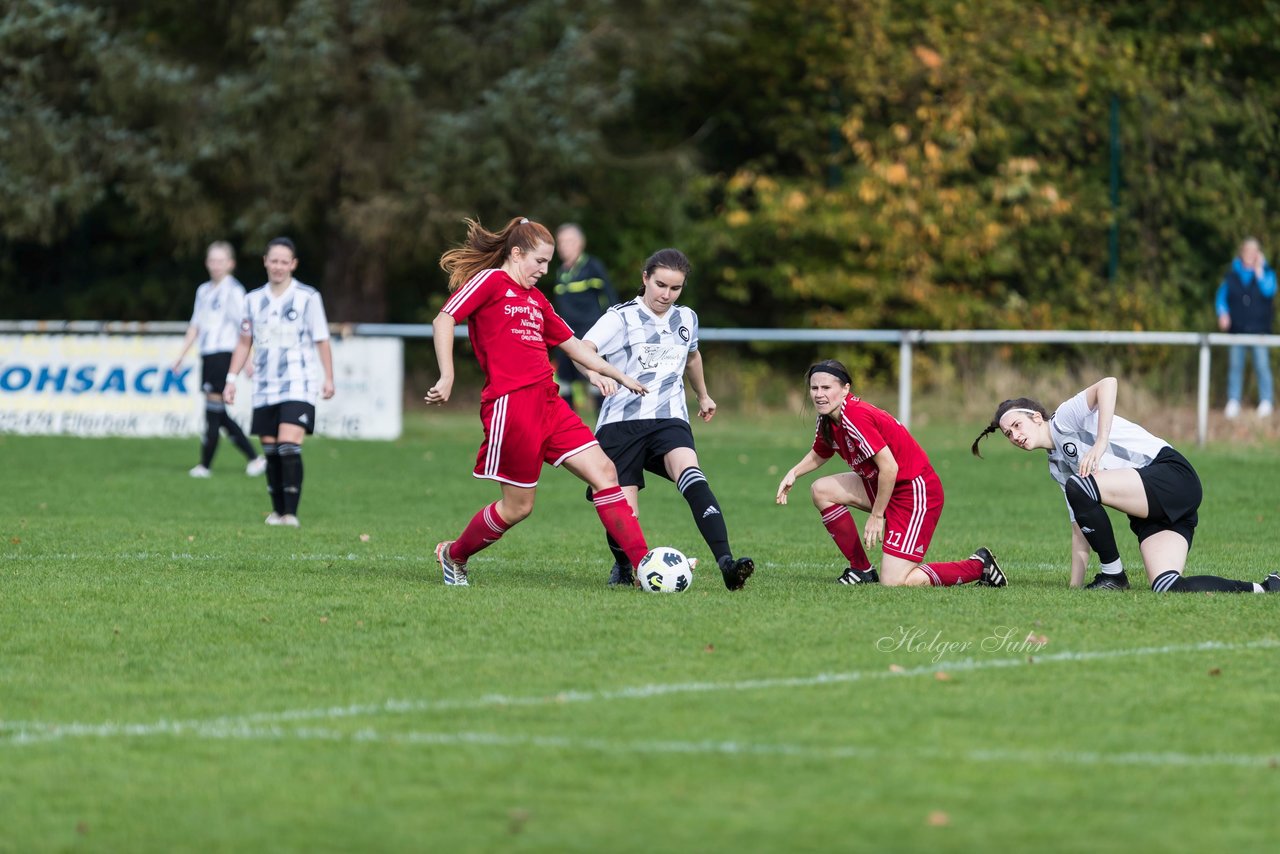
(492, 278)
(892, 480)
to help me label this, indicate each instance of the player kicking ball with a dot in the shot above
(892, 481)
(1102, 460)
(656, 341)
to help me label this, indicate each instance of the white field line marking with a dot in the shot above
(68, 557)
(32, 732)
(726, 748)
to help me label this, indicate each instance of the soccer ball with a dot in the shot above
(665, 570)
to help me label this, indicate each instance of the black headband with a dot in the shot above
(834, 370)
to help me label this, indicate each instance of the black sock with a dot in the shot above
(1091, 516)
(619, 556)
(1172, 582)
(291, 476)
(237, 436)
(274, 485)
(213, 413)
(693, 485)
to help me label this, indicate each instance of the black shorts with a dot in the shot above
(639, 446)
(267, 419)
(1173, 497)
(214, 368)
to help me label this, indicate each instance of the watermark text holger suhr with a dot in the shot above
(920, 641)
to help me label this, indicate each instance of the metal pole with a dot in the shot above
(1113, 237)
(1202, 393)
(904, 379)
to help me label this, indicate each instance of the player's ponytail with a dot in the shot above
(1025, 403)
(484, 249)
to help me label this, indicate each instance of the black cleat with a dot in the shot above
(859, 576)
(1271, 583)
(736, 572)
(1108, 581)
(621, 576)
(992, 575)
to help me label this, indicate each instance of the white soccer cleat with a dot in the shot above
(288, 520)
(256, 466)
(199, 471)
(1264, 409)
(1233, 409)
(274, 519)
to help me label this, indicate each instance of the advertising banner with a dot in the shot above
(126, 385)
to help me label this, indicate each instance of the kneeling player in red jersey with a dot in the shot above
(892, 480)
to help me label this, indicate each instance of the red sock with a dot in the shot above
(839, 523)
(621, 522)
(954, 572)
(484, 529)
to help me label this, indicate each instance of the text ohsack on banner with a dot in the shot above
(125, 385)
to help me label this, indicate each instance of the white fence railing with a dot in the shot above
(906, 339)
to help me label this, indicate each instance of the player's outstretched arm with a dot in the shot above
(698, 380)
(603, 384)
(1101, 398)
(589, 359)
(809, 462)
(325, 352)
(442, 330)
(873, 528)
(239, 356)
(192, 332)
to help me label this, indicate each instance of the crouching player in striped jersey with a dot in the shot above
(656, 341)
(286, 327)
(492, 277)
(1102, 460)
(892, 480)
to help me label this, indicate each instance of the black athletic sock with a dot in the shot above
(1091, 516)
(693, 485)
(274, 484)
(291, 476)
(619, 556)
(237, 436)
(1172, 582)
(213, 413)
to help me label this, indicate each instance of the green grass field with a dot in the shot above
(176, 676)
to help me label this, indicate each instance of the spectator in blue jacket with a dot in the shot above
(1244, 307)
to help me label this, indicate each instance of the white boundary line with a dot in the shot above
(368, 735)
(251, 726)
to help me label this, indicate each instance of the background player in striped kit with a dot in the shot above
(1102, 460)
(492, 279)
(892, 479)
(285, 324)
(216, 322)
(656, 341)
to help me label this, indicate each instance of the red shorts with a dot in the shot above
(912, 515)
(526, 428)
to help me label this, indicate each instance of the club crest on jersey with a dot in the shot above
(685, 334)
(1069, 448)
(291, 314)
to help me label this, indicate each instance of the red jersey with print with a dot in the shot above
(510, 328)
(859, 433)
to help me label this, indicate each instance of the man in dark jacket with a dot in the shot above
(582, 294)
